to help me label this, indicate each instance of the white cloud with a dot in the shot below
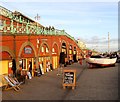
(101, 44)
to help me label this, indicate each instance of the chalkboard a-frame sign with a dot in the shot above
(69, 78)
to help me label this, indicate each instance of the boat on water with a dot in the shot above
(101, 61)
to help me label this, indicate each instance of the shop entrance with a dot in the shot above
(27, 59)
(75, 55)
(25, 63)
(70, 54)
(63, 55)
(44, 64)
(6, 63)
(5, 66)
(44, 58)
(62, 58)
(55, 62)
(55, 56)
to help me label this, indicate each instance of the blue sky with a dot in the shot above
(88, 21)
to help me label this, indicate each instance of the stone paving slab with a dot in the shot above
(96, 84)
(92, 84)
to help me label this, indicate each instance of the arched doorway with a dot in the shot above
(63, 54)
(5, 63)
(70, 54)
(44, 57)
(27, 58)
(75, 55)
(55, 56)
(6, 60)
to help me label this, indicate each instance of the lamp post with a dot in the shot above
(37, 17)
(108, 42)
(38, 41)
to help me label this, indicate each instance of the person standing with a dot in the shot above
(61, 63)
(14, 67)
(80, 60)
(30, 67)
(47, 67)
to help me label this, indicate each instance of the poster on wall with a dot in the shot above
(10, 64)
(27, 50)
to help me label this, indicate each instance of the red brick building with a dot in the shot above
(26, 40)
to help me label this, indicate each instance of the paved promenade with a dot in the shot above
(92, 84)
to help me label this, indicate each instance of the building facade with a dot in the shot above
(26, 41)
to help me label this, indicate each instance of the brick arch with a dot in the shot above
(63, 41)
(41, 47)
(72, 47)
(7, 49)
(54, 43)
(75, 47)
(25, 44)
